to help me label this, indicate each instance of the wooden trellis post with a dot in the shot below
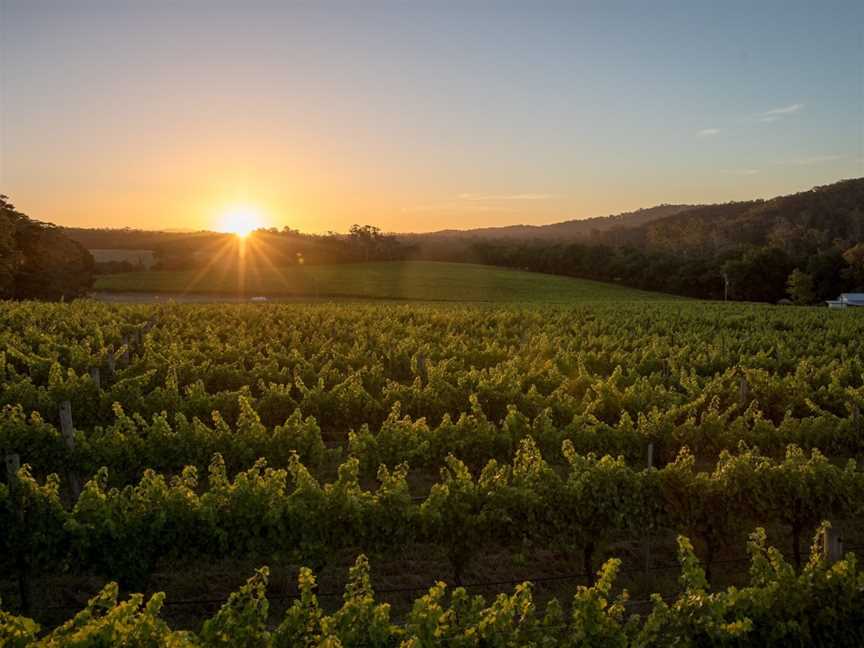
(646, 541)
(743, 391)
(13, 464)
(95, 376)
(421, 369)
(112, 361)
(68, 432)
(125, 357)
(832, 545)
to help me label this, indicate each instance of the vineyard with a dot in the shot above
(598, 473)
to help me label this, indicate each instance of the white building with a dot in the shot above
(846, 300)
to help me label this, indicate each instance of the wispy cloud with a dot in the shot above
(708, 132)
(785, 110)
(515, 196)
(775, 114)
(740, 172)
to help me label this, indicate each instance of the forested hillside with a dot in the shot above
(799, 224)
(37, 261)
(807, 246)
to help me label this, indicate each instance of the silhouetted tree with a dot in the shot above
(8, 251)
(37, 261)
(372, 244)
(827, 268)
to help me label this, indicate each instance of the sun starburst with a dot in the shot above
(240, 220)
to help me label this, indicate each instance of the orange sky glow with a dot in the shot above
(415, 116)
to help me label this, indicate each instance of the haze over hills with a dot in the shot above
(833, 211)
(569, 229)
(131, 239)
(826, 213)
(95, 238)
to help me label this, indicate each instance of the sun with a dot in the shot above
(240, 220)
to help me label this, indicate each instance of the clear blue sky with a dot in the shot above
(420, 116)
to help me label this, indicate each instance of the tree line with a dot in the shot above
(38, 261)
(749, 273)
(265, 247)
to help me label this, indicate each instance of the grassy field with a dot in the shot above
(143, 257)
(416, 280)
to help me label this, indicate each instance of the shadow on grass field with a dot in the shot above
(410, 280)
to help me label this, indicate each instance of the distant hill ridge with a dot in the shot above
(820, 217)
(569, 229)
(834, 211)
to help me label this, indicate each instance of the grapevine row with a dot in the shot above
(289, 515)
(349, 365)
(778, 607)
(131, 443)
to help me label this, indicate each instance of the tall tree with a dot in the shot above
(800, 287)
(38, 261)
(854, 258)
(759, 274)
(8, 250)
